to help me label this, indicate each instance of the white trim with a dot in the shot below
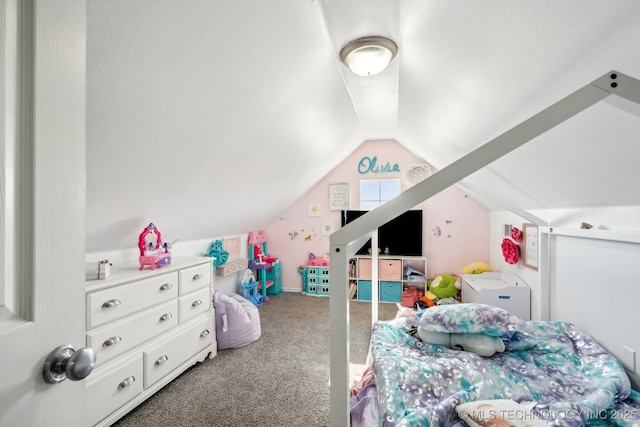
(617, 236)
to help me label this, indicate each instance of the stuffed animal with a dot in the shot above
(318, 262)
(477, 268)
(480, 344)
(444, 286)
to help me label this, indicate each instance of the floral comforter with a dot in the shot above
(563, 375)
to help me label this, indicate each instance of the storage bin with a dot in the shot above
(390, 291)
(364, 290)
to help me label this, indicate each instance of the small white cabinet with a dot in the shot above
(504, 290)
(146, 327)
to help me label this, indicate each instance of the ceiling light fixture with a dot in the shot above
(368, 56)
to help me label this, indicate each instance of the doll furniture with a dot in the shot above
(266, 268)
(152, 251)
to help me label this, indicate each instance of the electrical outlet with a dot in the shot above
(507, 230)
(628, 358)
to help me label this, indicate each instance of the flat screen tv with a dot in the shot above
(402, 235)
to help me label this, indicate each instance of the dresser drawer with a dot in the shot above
(113, 303)
(195, 303)
(118, 337)
(390, 291)
(390, 269)
(194, 278)
(109, 389)
(168, 353)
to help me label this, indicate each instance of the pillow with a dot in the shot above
(469, 318)
(477, 268)
(480, 344)
(499, 412)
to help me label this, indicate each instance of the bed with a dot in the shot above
(550, 373)
(345, 241)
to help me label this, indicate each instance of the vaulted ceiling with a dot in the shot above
(213, 117)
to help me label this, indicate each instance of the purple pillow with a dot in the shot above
(469, 318)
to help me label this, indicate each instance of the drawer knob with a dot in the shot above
(166, 287)
(111, 341)
(126, 382)
(111, 303)
(196, 303)
(166, 316)
(198, 276)
(160, 360)
(204, 333)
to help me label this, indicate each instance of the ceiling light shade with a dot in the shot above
(368, 56)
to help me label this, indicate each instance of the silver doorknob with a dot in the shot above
(67, 362)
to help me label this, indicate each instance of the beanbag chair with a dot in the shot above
(237, 320)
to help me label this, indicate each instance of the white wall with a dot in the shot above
(497, 220)
(590, 281)
(615, 218)
(191, 248)
(455, 227)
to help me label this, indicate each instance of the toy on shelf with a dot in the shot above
(152, 251)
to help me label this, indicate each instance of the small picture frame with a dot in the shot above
(327, 228)
(314, 209)
(338, 196)
(530, 245)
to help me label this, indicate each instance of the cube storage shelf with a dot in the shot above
(395, 274)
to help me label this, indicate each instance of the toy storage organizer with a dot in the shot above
(397, 276)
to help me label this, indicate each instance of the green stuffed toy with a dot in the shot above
(443, 286)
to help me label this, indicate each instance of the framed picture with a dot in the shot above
(530, 245)
(314, 209)
(327, 228)
(338, 196)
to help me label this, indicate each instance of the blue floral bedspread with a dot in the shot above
(562, 373)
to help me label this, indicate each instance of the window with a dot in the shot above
(374, 193)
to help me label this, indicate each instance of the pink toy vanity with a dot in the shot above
(152, 252)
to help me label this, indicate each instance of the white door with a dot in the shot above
(42, 206)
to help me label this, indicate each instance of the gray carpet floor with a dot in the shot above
(280, 380)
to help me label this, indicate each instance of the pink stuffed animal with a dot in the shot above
(318, 262)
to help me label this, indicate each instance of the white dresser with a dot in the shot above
(504, 290)
(146, 327)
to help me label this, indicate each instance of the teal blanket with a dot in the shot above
(560, 372)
